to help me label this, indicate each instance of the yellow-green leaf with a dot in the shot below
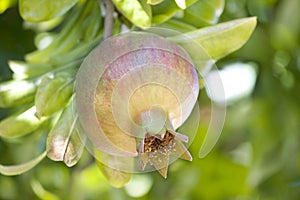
(14, 93)
(115, 177)
(177, 25)
(167, 9)
(43, 10)
(204, 12)
(219, 40)
(54, 93)
(5, 4)
(137, 11)
(11, 170)
(40, 192)
(23, 70)
(154, 2)
(20, 124)
(181, 4)
(63, 142)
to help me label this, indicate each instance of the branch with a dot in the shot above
(109, 19)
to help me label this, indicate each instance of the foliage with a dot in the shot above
(257, 156)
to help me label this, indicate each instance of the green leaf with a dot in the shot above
(80, 26)
(78, 53)
(94, 25)
(181, 4)
(115, 177)
(137, 11)
(43, 10)
(54, 93)
(204, 12)
(64, 40)
(40, 27)
(218, 41)
(24, 70)
(39, 191)
(74, 150)
(44, 39)
(177, 25)
(5, 4)
(12, 170)
(14, 93)
(63, 142)
(117, 27)
(20, 124)
(167, 9)
(154, 2)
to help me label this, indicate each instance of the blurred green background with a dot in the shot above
(256, 158)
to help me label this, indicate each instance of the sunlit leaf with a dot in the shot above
(167, 9)
(43, 10)
(14, 93)
(41, 27)
(54, 93)
(23, 70)
(11, 170)
(138, 12)
(63, 142)
(44, 39)
(81, 31)
(5, 4)
(20, 124)
(181, 4)
(204, 12)
(177, 25)
(154, 2)
(115, 177)
(219, 40)
(65, 40)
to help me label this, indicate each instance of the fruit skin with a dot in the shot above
(127, 75)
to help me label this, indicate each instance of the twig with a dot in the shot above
(109, 18)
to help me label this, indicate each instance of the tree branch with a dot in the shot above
(109, 19)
